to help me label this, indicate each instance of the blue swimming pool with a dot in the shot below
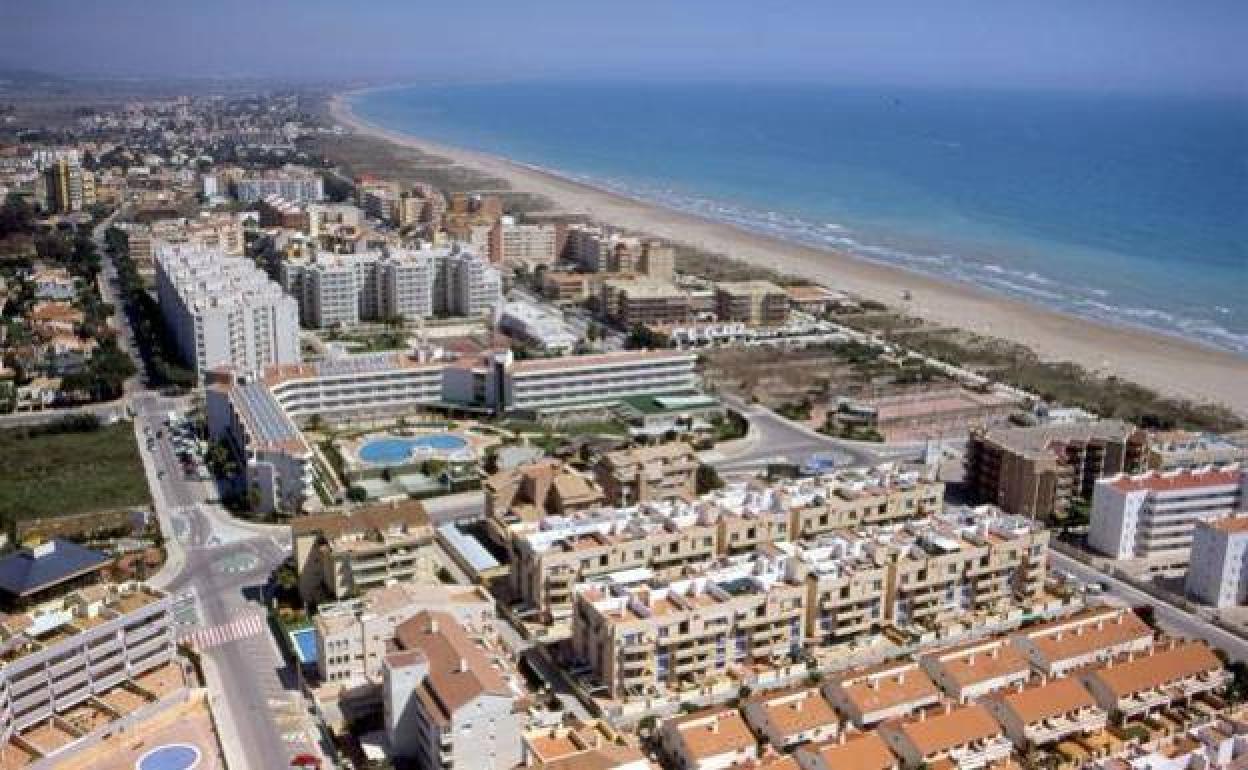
(177, 756)
(398, 450)
(305, 644)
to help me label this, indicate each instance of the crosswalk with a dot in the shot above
(200, 639)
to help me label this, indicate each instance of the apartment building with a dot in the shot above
(598, 250)
(78, 647)
(334, 224)
(224, 312)
(881, 693)
(965, 737)
(1093, 636)
(1047, 712)
(344, 289)
(714, 739)
(276, 459)
(216, 231)
(1218, 573)
(847, 589)
(551, 558)
(787, 718)
(757, 303)
(849, 500)
(647, 638)
(1152, 515)
(643, 301)
(1138, 685)
(353, 635)
(1039, 471)
(1182, 450)
(647, 474)
(344, 554)
(450, 701)
(565, 288)
(379, 200)
(64, 186)
(532, 244)
(532, 491)
(863, 751)
(421, 205)
(293, 183)
(578, 745)
(971, 671)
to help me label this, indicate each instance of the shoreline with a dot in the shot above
(1170, 365)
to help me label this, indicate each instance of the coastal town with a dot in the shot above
(317, 450)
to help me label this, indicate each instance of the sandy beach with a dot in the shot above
(1169, 365)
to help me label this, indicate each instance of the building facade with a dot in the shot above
(1218, 572)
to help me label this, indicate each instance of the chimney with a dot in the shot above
(901, 677)
(715, 726)
(433, 625)
(923, 715)
(463, 666)
(948, 708)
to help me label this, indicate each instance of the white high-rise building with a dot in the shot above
(1152, 515)
(1218, 572)
(294, 183)
(344, 289)
(224, 311)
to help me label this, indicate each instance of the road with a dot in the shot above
(224, 564)
(1172, 619)
(773, 438)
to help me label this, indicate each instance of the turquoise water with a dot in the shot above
(1129, 209)
(396, 451)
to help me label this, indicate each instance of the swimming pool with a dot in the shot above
(176, 756)
(398, 450)
(304, 640)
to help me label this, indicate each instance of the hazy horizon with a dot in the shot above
(1130, 45)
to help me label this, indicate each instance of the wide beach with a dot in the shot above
(1169, 365)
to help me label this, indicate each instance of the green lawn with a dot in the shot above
(69, 473)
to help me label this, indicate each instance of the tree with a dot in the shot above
(357, 493)
(707, 479)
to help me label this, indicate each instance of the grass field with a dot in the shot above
(68, 473)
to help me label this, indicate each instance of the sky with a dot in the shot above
(1193, 46)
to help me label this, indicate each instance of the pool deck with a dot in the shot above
(188, 723)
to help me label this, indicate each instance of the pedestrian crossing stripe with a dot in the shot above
(213, 636)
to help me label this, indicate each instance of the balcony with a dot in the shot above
(980, 754)
(1056, 728)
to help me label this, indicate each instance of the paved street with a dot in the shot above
(1171, 618)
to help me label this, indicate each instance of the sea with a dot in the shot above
(1125, 208)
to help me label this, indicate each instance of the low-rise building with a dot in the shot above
(863, 751)
(971, 671)
(449, 700)
(1047, 712)
(714, 739)
(530, 492)
(537, 326)
(343, 554)
(1138, 685)
(1218, 572)
(791, 717)
(646, 474)
(44, 571)
(1152, 515)
(880, 693)
(352, 635)
(69, 650)
(1181, 449)
(966, 737)
(929, 413)
(582, 746)
(1095, 635)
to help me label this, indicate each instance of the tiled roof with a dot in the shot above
(1178, 480)
(33, 569)
(711, 733)
(1231, 524)
(796, 711)
(980, 662)
(1086, 632)
(887, 686)
(865, 751)
(1053, 698)
(458, 668)
(1161, 668)
(956, 727)
(374, 518)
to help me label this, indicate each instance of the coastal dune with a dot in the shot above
(1169, 365)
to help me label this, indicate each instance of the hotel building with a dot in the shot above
(1152, 515)
(343, 554)
(1218, 572)
(224, 312)
(1039, 471)
(70, 650)
(449, 700)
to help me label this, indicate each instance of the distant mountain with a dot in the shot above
(26, 77)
